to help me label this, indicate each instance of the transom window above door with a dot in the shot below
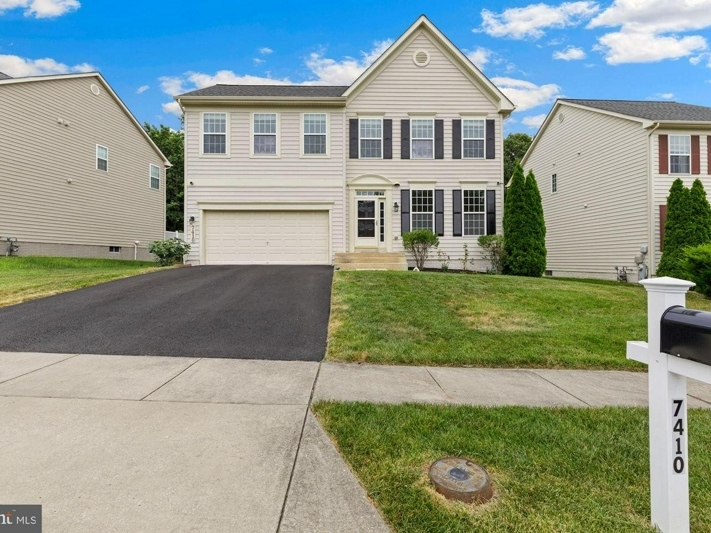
(422, 209)
(473, 138)
(264, 131)
(680, 154)
(370, 137)
(422, 138)
(315, 137)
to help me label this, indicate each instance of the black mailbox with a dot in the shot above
(687, 333)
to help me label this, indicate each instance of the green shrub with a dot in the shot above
(418, 243)
(492, 250)
(698, 267)
(169, 251)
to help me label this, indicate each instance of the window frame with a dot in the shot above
(483, 138)
(688, 155)
(277, 137)
(412, 137)
(554, 183)
(327, 153)
(97, 158)
(203, 133)
(412, 209)
(464, 213)
(151, 166)
(381, 138)
(114, 249)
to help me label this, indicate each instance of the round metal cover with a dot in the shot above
(458, 478)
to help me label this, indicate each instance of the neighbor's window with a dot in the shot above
(315, 133)
(102, 158)
(371, 138)
(265, 133)
(474, 212)
(214, 133)
(422, 138)
(473, 139)
(422, 209)
(155, 177)
(680, 154)
(114, 249)
(554, 183)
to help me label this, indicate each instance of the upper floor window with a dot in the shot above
(371, 137)
(474, 212)
(315, 137)
(264, 133)
(680, 154)
(422, 138)
(155, 177)
(473, 139)
(422, 209)
(554, 183)
(102, 158)
(214, 133)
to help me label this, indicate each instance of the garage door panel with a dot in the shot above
(267, 237)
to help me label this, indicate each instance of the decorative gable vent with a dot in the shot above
(421, 58)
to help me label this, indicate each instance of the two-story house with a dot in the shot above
(298, 174)
(604, 168)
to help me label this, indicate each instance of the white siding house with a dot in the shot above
(299, 174)
(604, 181)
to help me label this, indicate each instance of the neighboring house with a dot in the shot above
(604, 168)
(79, 176)
(297, 174)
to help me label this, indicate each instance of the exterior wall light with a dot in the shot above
(396, 207)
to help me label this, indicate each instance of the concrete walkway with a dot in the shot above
(130, 443)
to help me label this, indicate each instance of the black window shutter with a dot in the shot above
(491, 212)
(439, 139)
(439, 212)
(490, 139)
(387, 138)
(404, 211)
(457, 212)
(353, 137)
(456, 139)
(405, 139)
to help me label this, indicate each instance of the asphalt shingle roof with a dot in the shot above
(275, 91)
(4, 76)
(658, 111)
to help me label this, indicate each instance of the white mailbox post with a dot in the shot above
(668, 428)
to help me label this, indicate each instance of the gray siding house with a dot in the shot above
(91, 183)
(604, 168)
(321, 174)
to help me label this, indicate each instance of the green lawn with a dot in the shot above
(554, 470)
(27, 278)
(486, 321)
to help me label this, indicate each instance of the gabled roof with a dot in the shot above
(657, 111)
(4, 76)
(32, 79)
(271, 91)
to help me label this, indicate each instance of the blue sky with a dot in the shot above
(535, 52)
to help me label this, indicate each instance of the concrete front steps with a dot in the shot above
(371, 261)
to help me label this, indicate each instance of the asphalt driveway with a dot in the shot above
(240, 312)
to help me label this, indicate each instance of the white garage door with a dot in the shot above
(266, 238)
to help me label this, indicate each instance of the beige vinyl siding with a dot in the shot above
(444, 90)
(39, 156)
(663, 182)
(601, 162)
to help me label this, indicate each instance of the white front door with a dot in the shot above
(369, 221)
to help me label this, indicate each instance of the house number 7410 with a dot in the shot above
(678, 435)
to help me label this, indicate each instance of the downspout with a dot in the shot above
(135, 249)
(650, 199)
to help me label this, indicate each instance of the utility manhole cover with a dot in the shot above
(457, 478)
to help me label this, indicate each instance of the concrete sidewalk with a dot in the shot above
(131, 443)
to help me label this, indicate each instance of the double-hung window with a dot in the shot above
(102, 158)
(422, 209)
(422, 138)
(371, 138)
(155, 177)
(554, 183)
(474, 212)
(315, 137)
(680, 154)
(214, 133)
(472, 138)
(264, 128)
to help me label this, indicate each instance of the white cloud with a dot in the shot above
(142, 89)
(41, 8)
(173, 108)
(265, 51)
(19, 67)
(258, 61)
(344, 72)
(636, 47)
(533, 121)
(662, 96)
(480, 57)
(526, 95)
(571, 53)
(532, 20)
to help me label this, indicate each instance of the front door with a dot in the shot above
(370, 222)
